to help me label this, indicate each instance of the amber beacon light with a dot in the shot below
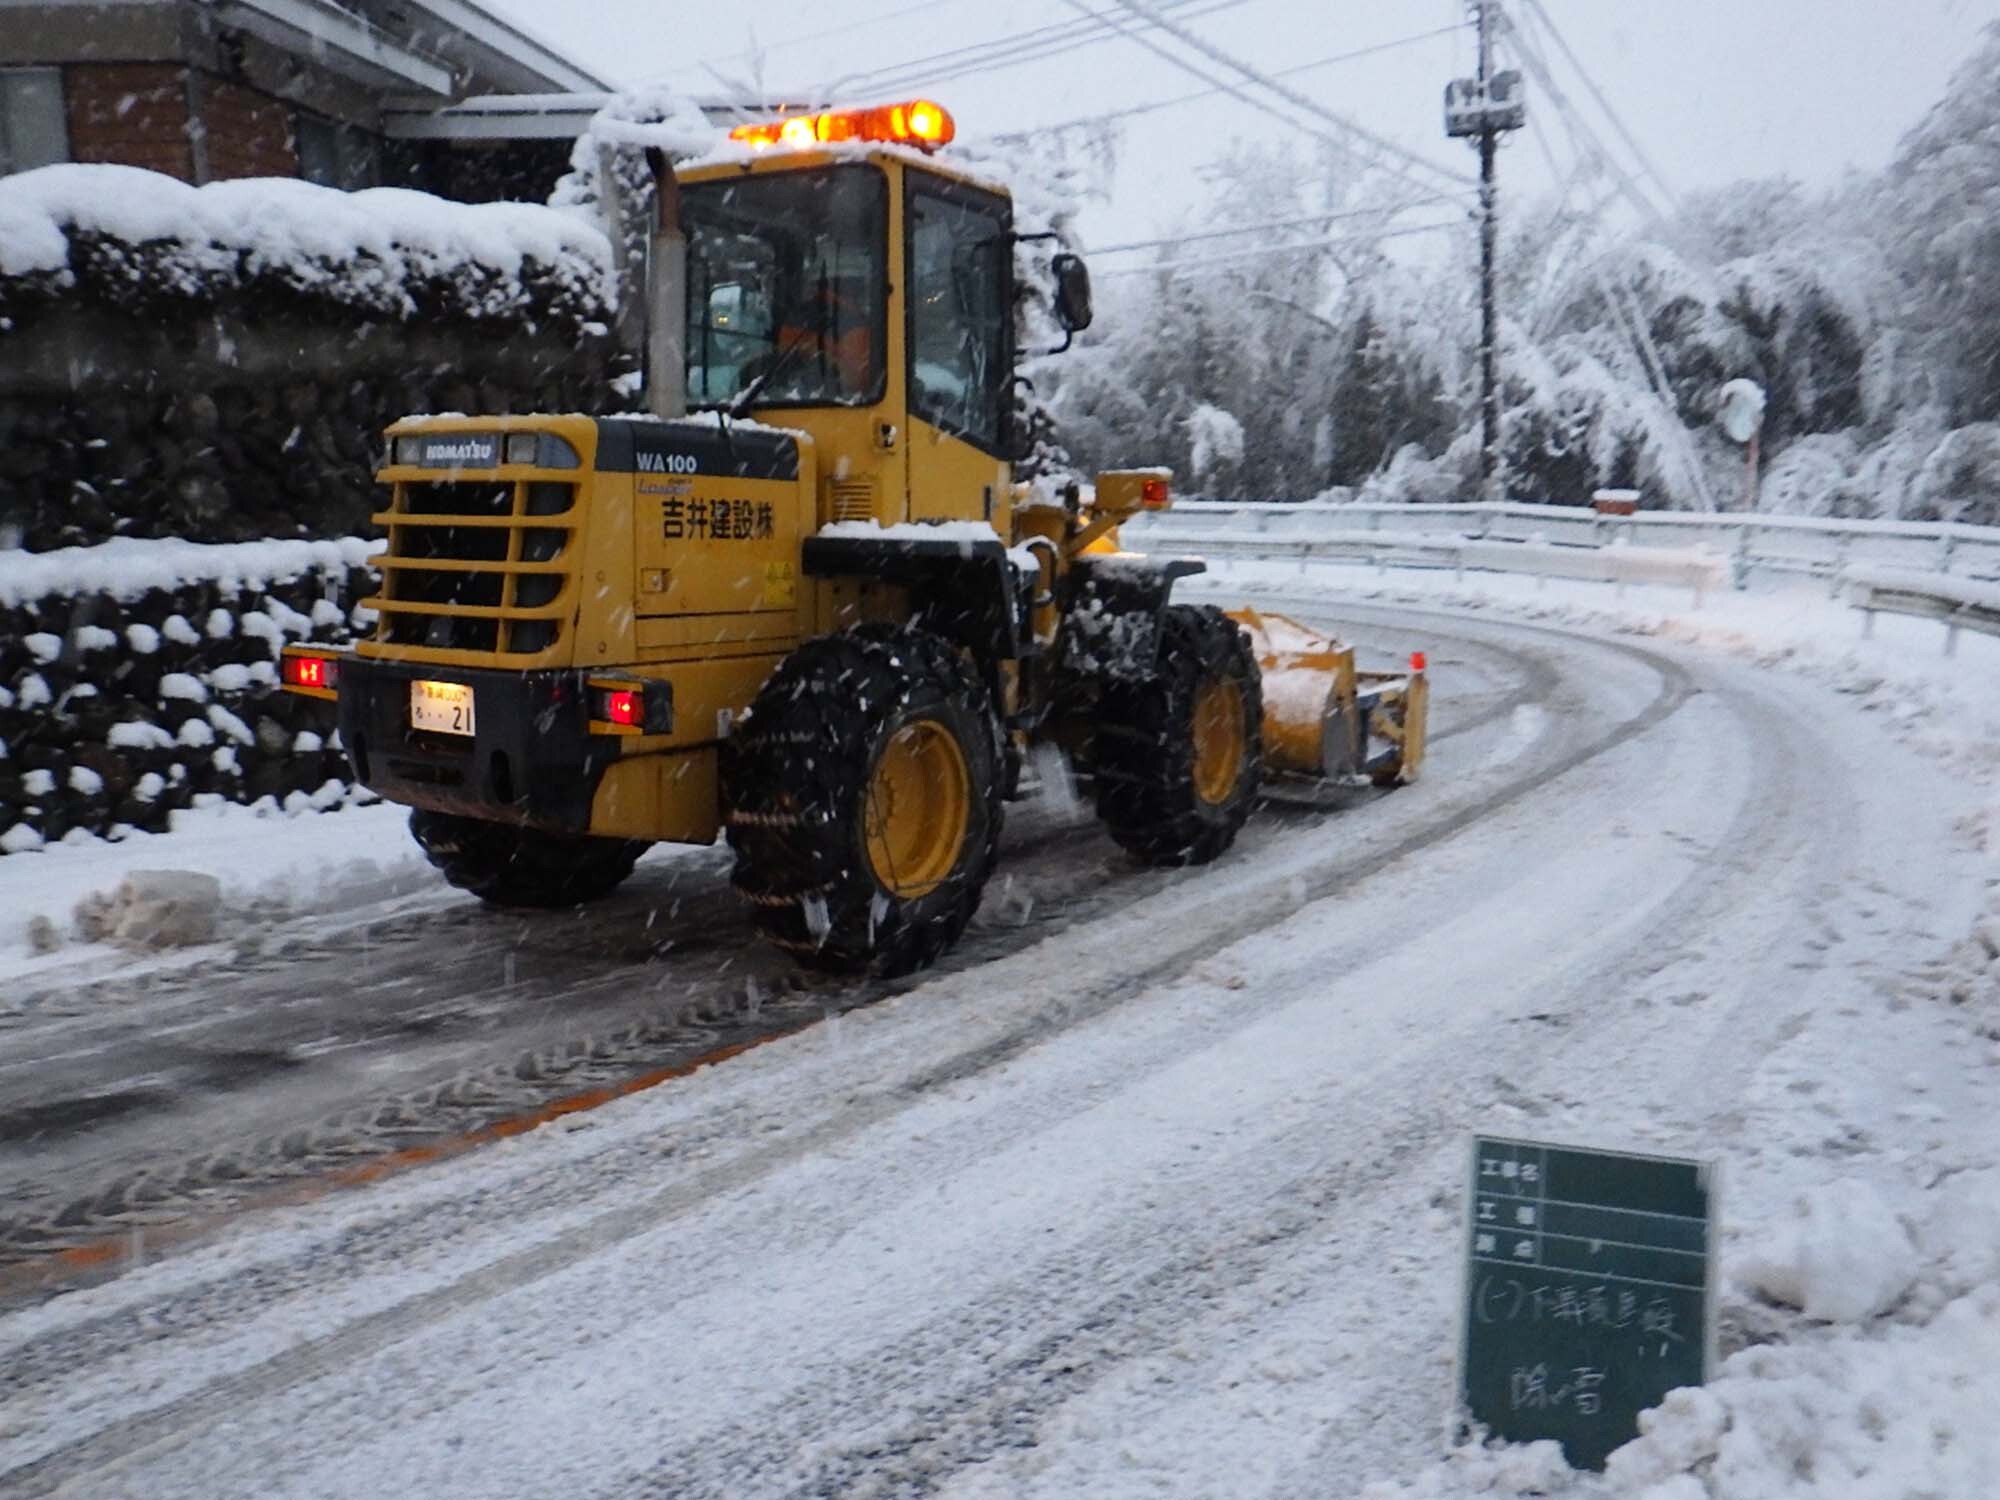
(919, 122)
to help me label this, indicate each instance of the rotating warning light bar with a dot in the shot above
(918, 122)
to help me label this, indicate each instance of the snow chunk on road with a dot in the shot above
(1843, 1258)
(153, 909)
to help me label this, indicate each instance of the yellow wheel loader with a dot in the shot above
(801, 601)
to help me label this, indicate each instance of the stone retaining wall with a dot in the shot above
(119, 705)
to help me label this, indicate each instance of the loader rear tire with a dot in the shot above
(505, 865)
(1178, 756)
(863, 796)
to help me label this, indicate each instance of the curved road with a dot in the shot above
(1153, 1190)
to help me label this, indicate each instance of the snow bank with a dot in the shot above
(263, 862)
(1895, 1412)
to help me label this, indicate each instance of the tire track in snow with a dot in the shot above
(1096, 987)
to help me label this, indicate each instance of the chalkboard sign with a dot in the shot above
(1586, 1292)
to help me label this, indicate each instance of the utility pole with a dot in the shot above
(1481, 108)
(1489, 233)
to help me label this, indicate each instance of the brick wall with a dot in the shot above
(134, 113)
(248, 134)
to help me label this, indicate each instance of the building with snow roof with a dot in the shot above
(403, 93)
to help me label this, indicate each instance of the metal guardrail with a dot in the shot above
(1896, 567)
(1957, 604)
(1694, 569)
(1811, 545)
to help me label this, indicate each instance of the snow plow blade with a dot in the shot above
(1325, 719)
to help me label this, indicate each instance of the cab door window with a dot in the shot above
(960, 323)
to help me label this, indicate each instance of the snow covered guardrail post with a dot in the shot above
(1958, 603)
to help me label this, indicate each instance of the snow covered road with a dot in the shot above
(130, 1102)
(1164, 1201)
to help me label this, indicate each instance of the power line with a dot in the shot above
(1384, 210)
(1578, 128)
(1291, 96)
(1013, 50)
(709, 63)
(1173, 267)
(1121, 26)
(1235, 91)
(1179, 99)
(1630, 319)
(1618, 124)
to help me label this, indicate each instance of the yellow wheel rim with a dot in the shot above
(1218, 739)
(918, 806)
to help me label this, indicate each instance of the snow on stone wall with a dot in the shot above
(139, 677)
(218, 363)
(138, 239)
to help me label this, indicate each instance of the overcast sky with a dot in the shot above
(1713, 89)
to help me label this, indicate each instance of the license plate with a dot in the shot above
(441, 707)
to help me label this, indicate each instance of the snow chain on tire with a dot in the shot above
(796, 782)
(1145, 753)
(505, 865)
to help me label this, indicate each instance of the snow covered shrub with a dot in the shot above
(1814, 477)
(1215, 448)
(1960, 479)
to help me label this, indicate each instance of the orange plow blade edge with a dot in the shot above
(1326, 719)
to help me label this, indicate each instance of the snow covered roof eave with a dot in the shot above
(505, 50)
(438, 46)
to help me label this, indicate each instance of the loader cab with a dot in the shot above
(863, 296)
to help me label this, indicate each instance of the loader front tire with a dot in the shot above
(863, 796)
(1178, 755)
(505, 865)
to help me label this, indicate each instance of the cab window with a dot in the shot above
(786, 285)
(960, 324)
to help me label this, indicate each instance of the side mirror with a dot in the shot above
(1072, 292)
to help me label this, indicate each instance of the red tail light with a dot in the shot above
(311, 672)
(624, 707)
